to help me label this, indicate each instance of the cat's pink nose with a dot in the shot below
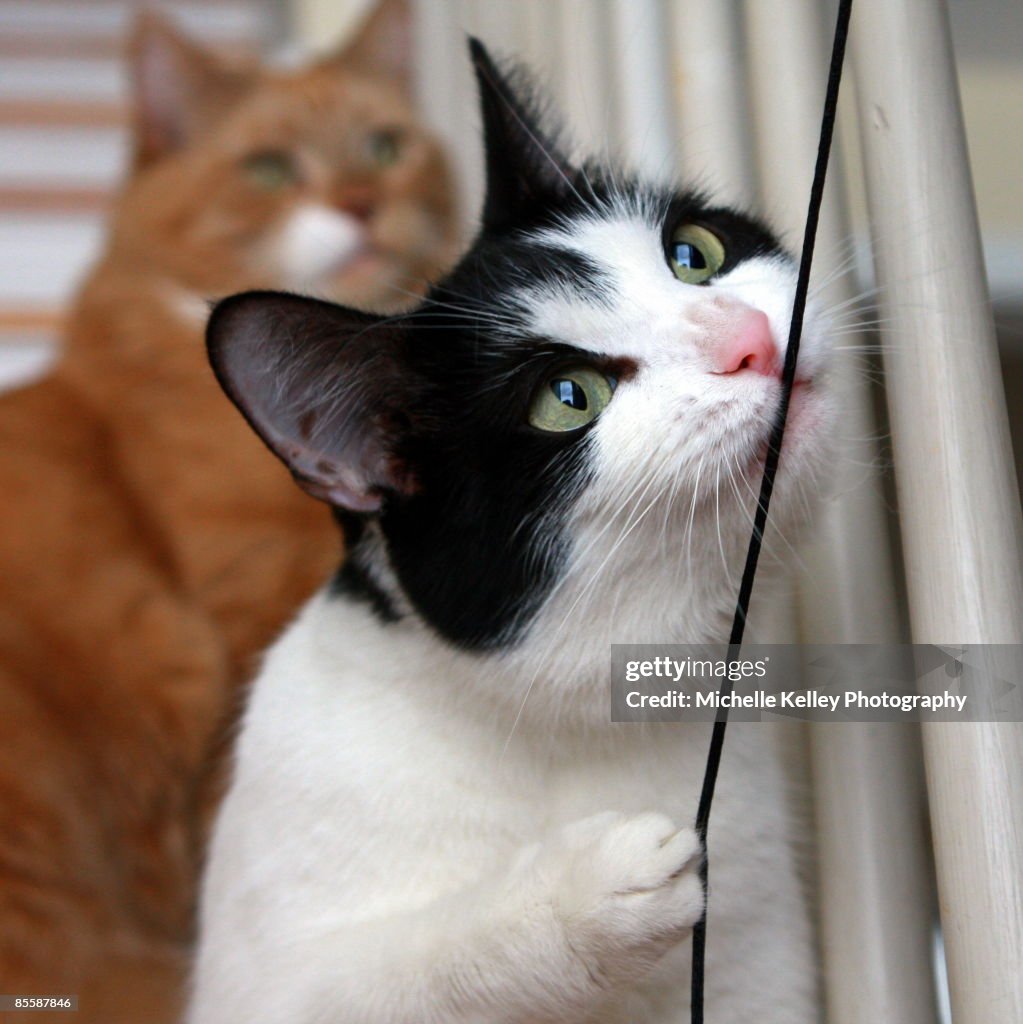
(749, 346)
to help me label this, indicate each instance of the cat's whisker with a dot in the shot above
(542, 662)
(539, 145)
(621, 508)
(858, 328)
(776, 529)
(858, 324)
(717, 518)
(669, 505)
(432, 306)
(749, 516)
(847, 265)
(866, 349)
(861, 298)
(690, 525)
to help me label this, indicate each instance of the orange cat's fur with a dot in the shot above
(149, 546)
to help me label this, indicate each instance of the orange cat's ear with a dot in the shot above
(382, 44)
(328, 389)
(178, 88)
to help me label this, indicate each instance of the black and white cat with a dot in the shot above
(432, 818)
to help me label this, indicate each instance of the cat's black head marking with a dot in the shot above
(416, 426)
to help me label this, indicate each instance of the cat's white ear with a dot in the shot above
(525, 168)
(178, 89)
(382, 43)
(325, 387)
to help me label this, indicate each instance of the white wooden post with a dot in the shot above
(446, 92)
(873, 862)
(959, 508)
(645, 108)
(544, 49)
(715, 146)
(587, 94)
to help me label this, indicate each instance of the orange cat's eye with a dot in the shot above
(384, 146)
(270, 169)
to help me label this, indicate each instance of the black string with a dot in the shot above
(717, 739)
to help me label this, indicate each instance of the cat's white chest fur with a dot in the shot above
(376, 858)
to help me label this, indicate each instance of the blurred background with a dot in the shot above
(63, 123)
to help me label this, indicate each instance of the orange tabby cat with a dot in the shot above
(148, 546)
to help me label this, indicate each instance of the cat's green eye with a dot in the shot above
(570, 399)
(384, 146)
(695, 254)
(270, 169)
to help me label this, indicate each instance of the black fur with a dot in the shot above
(473, 499)
(353, 579)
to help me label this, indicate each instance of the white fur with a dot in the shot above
(187, 305)
(314, 242)
(417, 834)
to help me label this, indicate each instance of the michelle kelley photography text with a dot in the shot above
(851, 682)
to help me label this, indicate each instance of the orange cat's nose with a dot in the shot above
(358, 202)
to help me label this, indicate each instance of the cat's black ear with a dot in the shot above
(324, 386)
(178, 89)
(525, 169)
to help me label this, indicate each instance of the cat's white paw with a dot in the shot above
(625, 890)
